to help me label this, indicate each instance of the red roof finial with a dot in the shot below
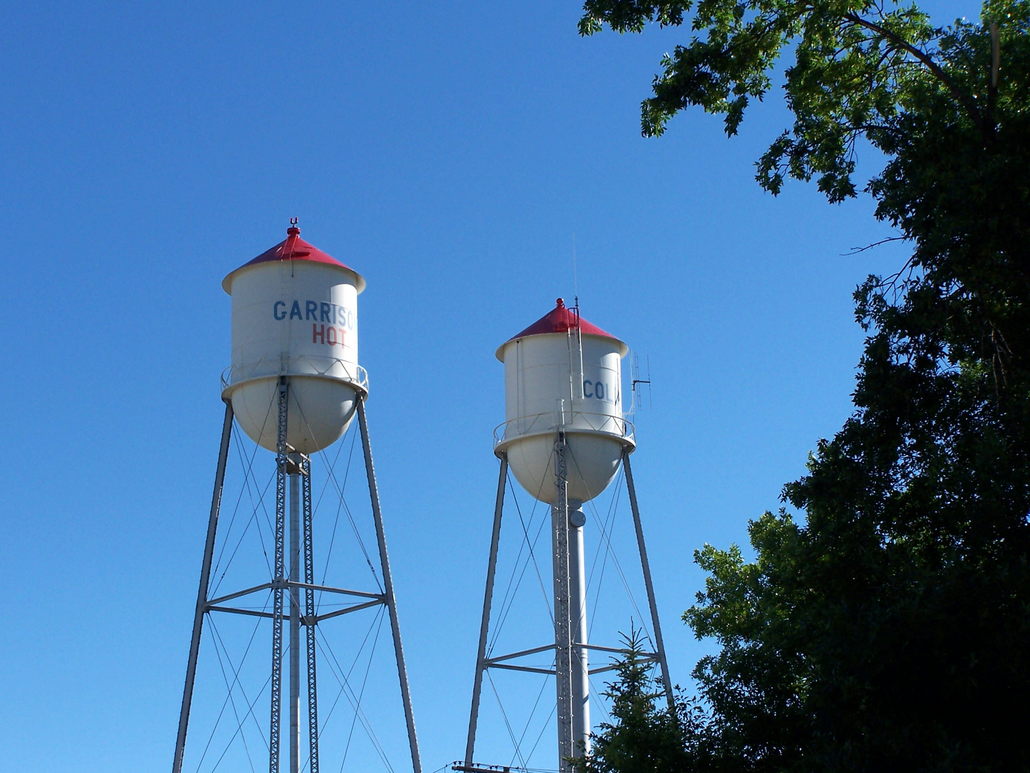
(561, 303)
(293, 230)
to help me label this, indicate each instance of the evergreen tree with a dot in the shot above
(646, 735)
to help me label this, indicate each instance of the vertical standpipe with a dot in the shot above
(564, 439)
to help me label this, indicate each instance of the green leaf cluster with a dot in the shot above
(888, 629)
(858, 65)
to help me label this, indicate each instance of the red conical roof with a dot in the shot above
(295, 248)
(559, 320)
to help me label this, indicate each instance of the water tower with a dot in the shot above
(294, 386)
(564, 440)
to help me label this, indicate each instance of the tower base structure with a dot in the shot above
(570, 646)
(293, 607)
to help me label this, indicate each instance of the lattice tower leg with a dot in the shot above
(391, 602)
(562, 623)
(278, 580)
(309, 621)
(205, 579)
(294, 705)
(659, 643)
(484, 625)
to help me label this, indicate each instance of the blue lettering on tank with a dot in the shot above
(597, 390)
(314, 311)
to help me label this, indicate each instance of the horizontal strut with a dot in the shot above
(533, 651)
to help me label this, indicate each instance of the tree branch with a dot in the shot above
(857, 250)
(961, 97)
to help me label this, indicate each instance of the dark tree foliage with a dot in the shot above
(890, 629)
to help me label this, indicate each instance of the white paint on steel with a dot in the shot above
(580, 676)
(300, 319)
(564, 381)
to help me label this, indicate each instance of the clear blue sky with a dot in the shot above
(473, 162)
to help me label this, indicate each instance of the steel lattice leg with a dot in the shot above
(205, 577)
(484, 626)
(278, 581)
(309, 620)
(562, 622)
(293, 706)
(391, 602)
(659, 643)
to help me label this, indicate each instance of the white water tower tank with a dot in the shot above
(563, 373)
(294, 314)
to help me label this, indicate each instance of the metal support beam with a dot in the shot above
(519, 654)
(484, 625)
(294, 703)
(571, 649)
(562, 607)
(238, 611)
(527, 669)
(246, 592)
(345, 591)
(310, 620)
(619, 651)
(579, 657)
(301, 585)
(631, 489)
(391, 602)
(293, 588)
(205, 578)
(356, 608)
(278, 579)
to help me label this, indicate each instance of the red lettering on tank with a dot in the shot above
(328, 335)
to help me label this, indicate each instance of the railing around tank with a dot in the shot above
(298, 365)
(568, 420)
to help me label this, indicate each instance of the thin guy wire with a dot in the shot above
(507, 722)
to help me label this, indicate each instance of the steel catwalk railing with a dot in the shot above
(205, 578)
(391, 602)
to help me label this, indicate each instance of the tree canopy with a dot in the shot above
(888, 628)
